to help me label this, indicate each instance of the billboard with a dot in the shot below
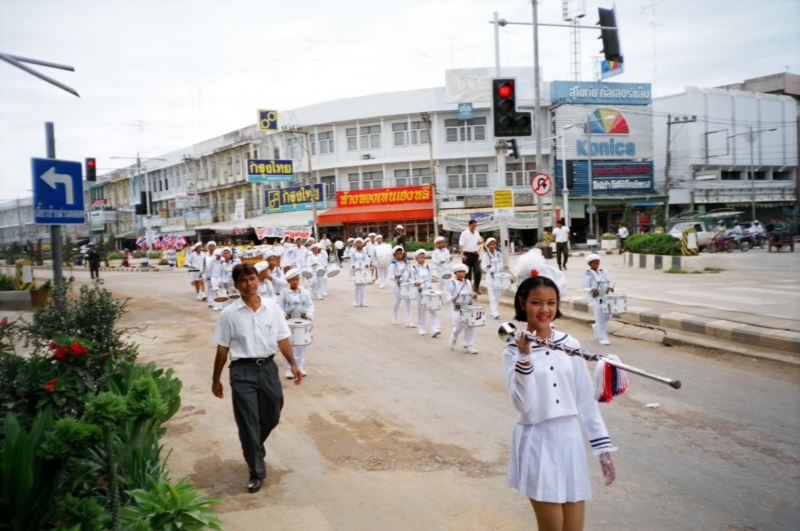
(384, 196)
(601, 93)
(294, 198)
(269, 170)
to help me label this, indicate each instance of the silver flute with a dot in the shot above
(507, 331)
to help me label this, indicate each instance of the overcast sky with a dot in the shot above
(155, 76)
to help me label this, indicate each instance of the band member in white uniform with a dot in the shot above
(274, 273)
(596, 284)
(383, 271)
(459, 292)
(287, 253)
(422, 276)
(227, 269)
(350, 248)
(265, 287)
(296, 304)
(215, 271)
(359, 259)
(400, 271)
(554, 395)
(195, 260)
(492, 263)
(440, 258)
(316, 261)
(209, 255)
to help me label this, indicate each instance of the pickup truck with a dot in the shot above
(703, 235)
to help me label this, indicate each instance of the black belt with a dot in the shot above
(470, 252)
(256, 361)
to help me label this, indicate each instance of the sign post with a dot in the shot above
(504, 210)
(57, 197)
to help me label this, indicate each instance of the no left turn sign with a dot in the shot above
(541, 184)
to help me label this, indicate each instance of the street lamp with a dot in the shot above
(752, 139)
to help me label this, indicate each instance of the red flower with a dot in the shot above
(53, 345)
(78, 349)
(62, 353)
(51, 385)
(4, 322)
(534, 273)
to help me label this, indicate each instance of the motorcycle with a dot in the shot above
(743, 242)
(721, 242)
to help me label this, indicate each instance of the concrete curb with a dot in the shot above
(742, 335)
(652, 261)
(114, 269)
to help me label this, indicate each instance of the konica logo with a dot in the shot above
(606, 121)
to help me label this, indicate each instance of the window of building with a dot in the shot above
(230, 166)
(462, 178)
(166, 182)
(416, 135)
(370, 137)
(355, 181)
(417, 177)
(276, 152)
(294, 148)
(759, 175)
(781, 175)
(213, 169)
(255, 153)
(326, 143)
(465, 130)
(352, 139)
(329, 186)
(515, 176)
(729, 175)
(400, 134)
(369, 179)
(312, 139)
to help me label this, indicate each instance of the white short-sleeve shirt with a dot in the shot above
(561, 234)
(249, 334)
(470, 241)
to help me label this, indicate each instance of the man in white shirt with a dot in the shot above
(622, 234)
(251, 331)
(469, 243)
(561, 234)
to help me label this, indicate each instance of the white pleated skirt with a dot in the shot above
(548, 461)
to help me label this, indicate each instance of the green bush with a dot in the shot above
(653, 243)
(609, 236)
(7, 283)
(114, 255)
(410, 247)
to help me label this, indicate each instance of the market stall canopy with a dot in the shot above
(357, 214)
(281, 219)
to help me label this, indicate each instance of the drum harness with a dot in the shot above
(405, 265)
(458, 306)
(428, 269)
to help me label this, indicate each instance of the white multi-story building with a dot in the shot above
(714, 161)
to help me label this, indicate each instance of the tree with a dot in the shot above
(629, 218)
(659, 217)
(66, 251)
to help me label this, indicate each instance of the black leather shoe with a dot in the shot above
(254, 485)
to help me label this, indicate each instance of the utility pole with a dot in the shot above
(306, 145)
(537, 126)
(426, 118)
(668, 165)
(55, 230)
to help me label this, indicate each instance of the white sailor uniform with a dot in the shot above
(461, 290)
(297, 305)
(213, 275)
(423, 274)
(492, 263)
(400, 268)
(278, 281)
(598, 280)
(314, 262)
(359, 260)
(440, 259)
(554, 397)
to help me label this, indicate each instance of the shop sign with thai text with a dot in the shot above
(385, 196)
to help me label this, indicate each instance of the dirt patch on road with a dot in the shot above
(370, 445)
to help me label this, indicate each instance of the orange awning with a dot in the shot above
(360, 214)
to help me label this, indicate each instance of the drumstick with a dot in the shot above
(507, 331)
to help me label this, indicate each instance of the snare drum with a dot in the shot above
(502, 281)
(308, 272)
(384, 254)
(614, 304)
(473, 316)
(321, 271)
(464, 299)
(333, 270)
(220, 295)
(301, 332)
(234, 294)
(408, 291)
(432, 300)
(362, 277)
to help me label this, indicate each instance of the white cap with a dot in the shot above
(270, 254)
(197, 245)
(315, 246)
(209, 244)
(532, 264)
(351, 239)
(217, 252)
(438, 239)
(261, 267)
(399, 227)
(490, 240)
(459, 267)
(311, 239)
(418, 252)
(227, 249)
(292, 273)
(397, 248)
(357, 240)
(372, 235)
(592, 257)
(379, 236)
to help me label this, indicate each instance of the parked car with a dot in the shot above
(703, 234)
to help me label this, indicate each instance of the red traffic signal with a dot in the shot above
(505, 90)
(91, 169)
(508, 122)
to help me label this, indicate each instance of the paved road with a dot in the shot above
(395, 432)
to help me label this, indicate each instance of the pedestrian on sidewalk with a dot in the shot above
(561, 234)
(552, 391)
(596, 283)
(251, 331)
(93, 257)
(469, 243)
(622, 234)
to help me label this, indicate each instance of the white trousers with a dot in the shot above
(382, 272)
(494, 296)
(299, 358)
(458, 326)
(422, 314)
(212, 285)
(600, 320)
(397, 301)
(359, 295)
(319, 284)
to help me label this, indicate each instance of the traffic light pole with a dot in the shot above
(501, 148)
(55, 230)
(537, 108)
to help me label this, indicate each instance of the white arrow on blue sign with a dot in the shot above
(57, 192)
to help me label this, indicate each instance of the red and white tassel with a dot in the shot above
(609, 381)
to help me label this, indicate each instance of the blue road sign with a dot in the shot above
(57, 192)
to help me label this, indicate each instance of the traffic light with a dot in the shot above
(569, 175)
(91, 170)
(507, 121)
(611, 49)
(141, 208)
(512, 148)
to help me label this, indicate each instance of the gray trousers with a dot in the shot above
(257, 403)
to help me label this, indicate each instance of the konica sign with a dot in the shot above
(601, 93)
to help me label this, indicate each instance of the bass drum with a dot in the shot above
(384, 254)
